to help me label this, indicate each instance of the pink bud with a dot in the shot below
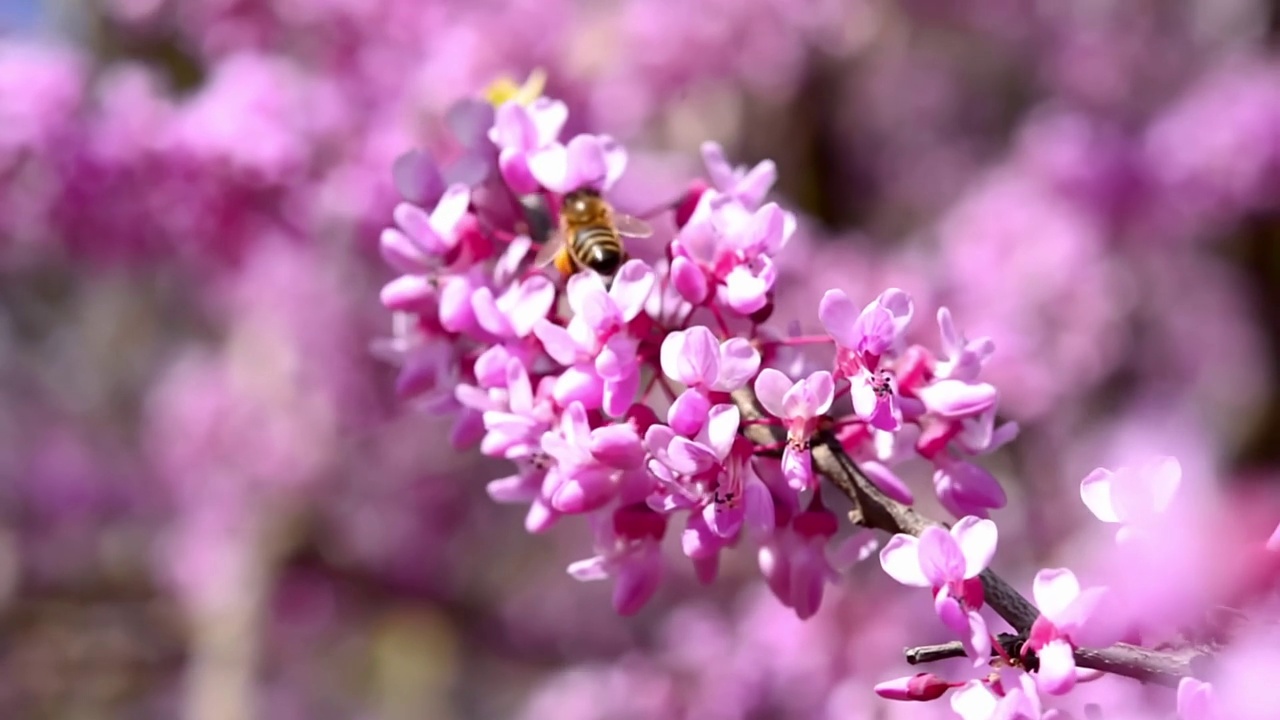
(687, 203)
(920, 688)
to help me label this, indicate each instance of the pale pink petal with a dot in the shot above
(550, 167)
(940, 558)
(797, 468)
(808, 578)
(900, 558)
(556, 341)
(718, 168)
(689, 280)
(487, 313)
(1057, 674)
(449, 211)
(956, 398)
(821, 389)
(691, 357)
(838, 315)
(593, 568)
(617, 446)
(615, 161)
(1054, 590)
(739, 361)
(722, 427)
(548, 117)
(582, 288)
(771, 388)
(758, 504)
(974, 702)
(620, 393)
(852, 550)
(688, 413)
(887, 481)
(1196, 700)
(977, 541)
(631, 287)
(408, 293)
(1163, 476)
(753, 188)
(529, 302)
(745, 292)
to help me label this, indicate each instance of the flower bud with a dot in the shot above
(921, 688)
(685, 206)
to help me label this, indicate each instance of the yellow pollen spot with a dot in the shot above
(504, 89)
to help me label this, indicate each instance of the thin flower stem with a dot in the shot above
(724, 327)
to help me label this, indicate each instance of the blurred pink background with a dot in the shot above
(211, 506)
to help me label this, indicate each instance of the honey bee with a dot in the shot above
(590, 235)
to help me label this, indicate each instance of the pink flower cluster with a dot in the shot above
(612, 395)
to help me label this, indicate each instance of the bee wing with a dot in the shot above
(631, 226)
(547, 253)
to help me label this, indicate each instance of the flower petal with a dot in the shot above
(977, 541)
(771, 388)
(900, 558)
(1054, 590)
(1095, 491)
(1057, 674)
(631, 287)
(739, 361)
(940, 558)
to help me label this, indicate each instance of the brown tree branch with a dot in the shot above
(873, 509)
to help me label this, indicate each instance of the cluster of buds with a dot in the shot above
(611, 396)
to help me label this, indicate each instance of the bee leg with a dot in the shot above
(564, 262)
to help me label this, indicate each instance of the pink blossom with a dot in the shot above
(596, 346)
(1069, 618)
(862, 340)
(965, 488)
(1196, 700)
(421, 241)
(695, 359)
(748, 187)
(799, 405)
(949, 563)
(594, 161)
(1005, 700)
(588, 464)
(519, 131)
(1132, 497)
(628, 547)
(797, 560)
(725, 251)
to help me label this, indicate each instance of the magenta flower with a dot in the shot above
(1069, 618)
(421, 241)
(515, 419)
(519, 131)
(949, 563)
(1196, 700)
(514, 313)
(799, 405)
(748, 187)
(1132, 497)
(862, 340)
(725, 251)
(797, 560)
(696, 360)
(588, 463)
(595, 161)
(628, 546)
(979, 701)
(596, 347)
(964, 358)
(713, 474)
